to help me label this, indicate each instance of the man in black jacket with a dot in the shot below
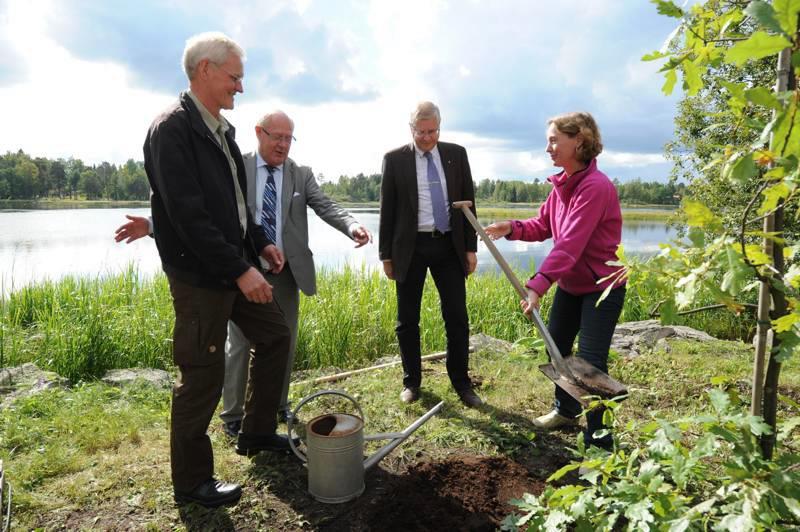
(418, 232)
(209, 246)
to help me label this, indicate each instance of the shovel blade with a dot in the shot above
(588, 381)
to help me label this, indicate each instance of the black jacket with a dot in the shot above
(399, 205)
(193, 201)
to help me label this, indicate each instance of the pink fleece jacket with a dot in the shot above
(583, 216)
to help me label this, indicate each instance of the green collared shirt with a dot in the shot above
(218, 127)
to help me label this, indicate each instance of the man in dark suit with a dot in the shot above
(296, 189)
(209, 248)
(419, 232)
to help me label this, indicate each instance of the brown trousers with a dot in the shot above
(201, 318)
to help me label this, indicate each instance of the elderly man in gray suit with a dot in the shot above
(271, 174)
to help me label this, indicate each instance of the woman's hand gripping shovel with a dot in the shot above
(574, 375)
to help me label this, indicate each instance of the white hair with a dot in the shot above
(213, 45)
(425, 111)
(273, 115)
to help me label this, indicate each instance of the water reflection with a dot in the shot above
(49, 244)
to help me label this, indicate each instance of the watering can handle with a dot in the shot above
(290, 420)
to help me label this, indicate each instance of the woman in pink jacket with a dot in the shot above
(583, 217)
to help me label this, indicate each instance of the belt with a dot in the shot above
(433, 234)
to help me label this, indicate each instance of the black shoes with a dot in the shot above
(409, 394)
(211, 494)
(469, 397)
(284, 415)
(232, 428)
(251, 444)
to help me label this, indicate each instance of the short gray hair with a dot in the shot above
(213, 45)
(274, 114)
(425, 111)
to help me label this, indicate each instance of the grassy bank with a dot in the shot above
(66, 203)
(94, 457)
(521, 212)
(81, 327)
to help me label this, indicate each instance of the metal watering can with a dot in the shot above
(335, 449)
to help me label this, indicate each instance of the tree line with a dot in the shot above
(26, 177)
(362, 188)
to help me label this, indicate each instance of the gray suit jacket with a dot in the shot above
(299, 190)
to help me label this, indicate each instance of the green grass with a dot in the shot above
(81, 327)
(96, 457)
(59, 433)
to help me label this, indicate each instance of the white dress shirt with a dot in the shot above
(425, 208)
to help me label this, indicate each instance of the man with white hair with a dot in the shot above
(210, 248)
(419, 233)
(278, 194)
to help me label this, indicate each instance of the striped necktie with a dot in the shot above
(268, 209)
(440, 217)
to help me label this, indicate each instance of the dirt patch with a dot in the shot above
(468, 493)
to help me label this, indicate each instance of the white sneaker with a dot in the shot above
(554, 420)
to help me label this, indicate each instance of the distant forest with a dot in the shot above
(24, 177)
(363, 188)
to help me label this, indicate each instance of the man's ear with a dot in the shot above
(202, 68)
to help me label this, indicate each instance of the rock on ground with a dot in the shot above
(121, 377)
(486, 344)
(25, 380)
(633, 338)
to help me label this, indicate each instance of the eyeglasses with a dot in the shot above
(426, 133)
(234, 78)
(288, 139)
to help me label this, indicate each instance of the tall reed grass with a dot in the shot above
(81, 327)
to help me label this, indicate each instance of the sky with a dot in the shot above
(85, 78)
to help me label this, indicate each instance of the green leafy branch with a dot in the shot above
(697, 473)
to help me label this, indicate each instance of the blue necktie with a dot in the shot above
(268, 209)
(440, 218)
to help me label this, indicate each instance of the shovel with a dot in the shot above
(572, 374)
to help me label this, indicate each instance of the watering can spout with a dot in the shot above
(398, 438)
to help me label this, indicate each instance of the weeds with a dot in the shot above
(700, 472)
(81, 327)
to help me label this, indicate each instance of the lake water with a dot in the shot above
(49, 244)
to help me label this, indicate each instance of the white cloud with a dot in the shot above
(478, 60)
(631, 160)
(70, 107)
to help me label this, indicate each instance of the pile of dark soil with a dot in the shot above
(469, 493)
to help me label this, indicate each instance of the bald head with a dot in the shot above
(275, 135)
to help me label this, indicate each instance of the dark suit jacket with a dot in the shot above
(299, 189)
(399, 205)
(195, 218)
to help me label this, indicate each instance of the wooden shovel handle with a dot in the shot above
(555, 354)
(464, 206)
